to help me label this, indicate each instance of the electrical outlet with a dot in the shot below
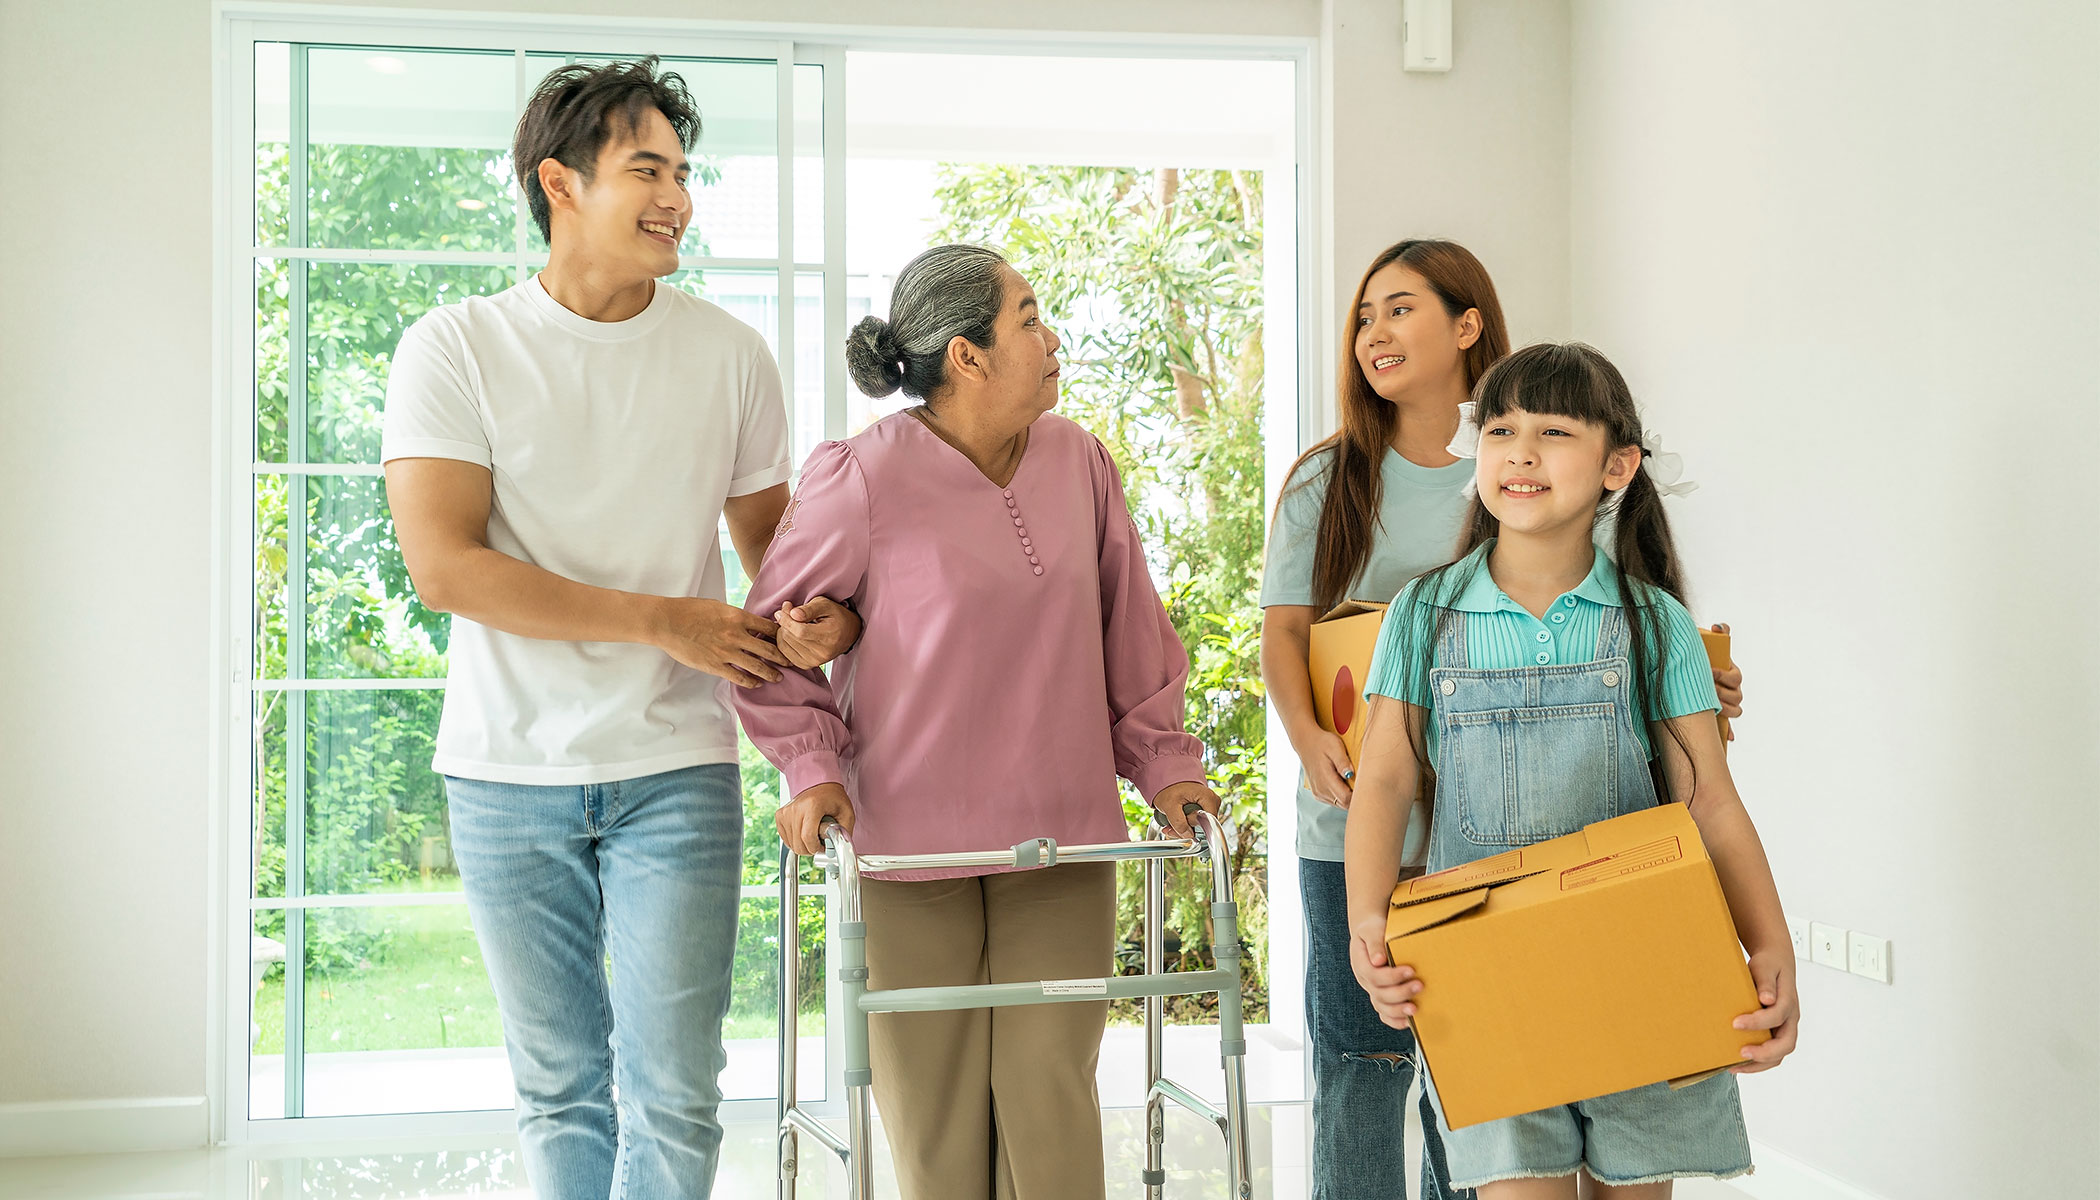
(1869, 955)
(1798, 930)
(1827, 945)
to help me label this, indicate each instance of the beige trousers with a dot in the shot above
(992, 1103)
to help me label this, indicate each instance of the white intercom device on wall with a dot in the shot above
(1425, 36)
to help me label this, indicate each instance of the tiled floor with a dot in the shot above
(1195, 1161)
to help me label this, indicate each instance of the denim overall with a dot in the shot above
(1526, 754)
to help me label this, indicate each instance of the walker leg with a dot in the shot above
(1155, 1176)
(860, 1131)
(790, 1000)
(860, 1101)
(1232, 1046)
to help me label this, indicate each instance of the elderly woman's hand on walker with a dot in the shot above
(801, 820)
(1174, 798)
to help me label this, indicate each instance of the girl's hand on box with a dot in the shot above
(1392, 989)
(1728, 685)
(1773, 972)
(1327, 771)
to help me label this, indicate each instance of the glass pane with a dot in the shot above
(410, 149)
(809, 163)
(736, 177)
(812, 358)
(273, 356)
(761, 837)
(273, 123)
(749, 1031)
(266, 1016)
(268, 631)
(399, 1014)
(375, 811)
(363, 619)
(355, 315)
(268, 713)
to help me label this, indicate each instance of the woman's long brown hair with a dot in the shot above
(1355, 487)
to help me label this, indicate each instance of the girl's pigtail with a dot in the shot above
(1648, 563)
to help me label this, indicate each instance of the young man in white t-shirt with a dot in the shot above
(558, 457)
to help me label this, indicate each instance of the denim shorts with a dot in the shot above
(1642, 1135)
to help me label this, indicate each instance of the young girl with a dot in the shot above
(1538, 626)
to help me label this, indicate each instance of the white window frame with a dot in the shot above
(1296, 355)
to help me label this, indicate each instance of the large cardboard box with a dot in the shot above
(1574, 968)
(1342, 642)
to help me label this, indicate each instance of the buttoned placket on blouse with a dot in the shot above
(1013, 509)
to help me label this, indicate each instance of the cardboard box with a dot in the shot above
(1717, 658)
(1342, 642)
(1574, 968)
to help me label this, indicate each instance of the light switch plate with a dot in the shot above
(1827, 945)
(1869, 955)
(1798, 930)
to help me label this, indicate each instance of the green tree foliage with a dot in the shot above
(1154, 279)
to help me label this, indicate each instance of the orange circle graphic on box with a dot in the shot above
(1344, 700)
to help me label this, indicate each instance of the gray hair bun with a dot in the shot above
(874, 359)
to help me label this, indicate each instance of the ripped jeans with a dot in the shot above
(1361, 1067)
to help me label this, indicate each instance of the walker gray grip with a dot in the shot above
(1034, 852)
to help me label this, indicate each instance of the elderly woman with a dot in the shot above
(1015, 660)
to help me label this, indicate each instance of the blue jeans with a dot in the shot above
(556, 878)
(1362, 1067)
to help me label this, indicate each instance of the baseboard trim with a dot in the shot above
(103, 1126)
(1781, 1176)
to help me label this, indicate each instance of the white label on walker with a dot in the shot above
(1075, 987)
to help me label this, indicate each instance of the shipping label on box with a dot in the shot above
(1574, 968)
(1340, 658)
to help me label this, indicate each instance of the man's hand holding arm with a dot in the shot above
(441, 514)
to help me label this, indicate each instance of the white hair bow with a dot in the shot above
(1665, 470)
(1466, 442)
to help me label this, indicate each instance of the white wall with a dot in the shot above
(1478, 155)
(105, 463)
(1846, 255)
(105, 533)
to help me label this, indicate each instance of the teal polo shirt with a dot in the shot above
(1501, 634)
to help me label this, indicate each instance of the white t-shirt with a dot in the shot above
(613, 446)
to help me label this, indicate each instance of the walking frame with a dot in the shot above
(843, 867)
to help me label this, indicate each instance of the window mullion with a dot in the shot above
(834, 149)
(518, 223)
(784, 239)
(296, 325)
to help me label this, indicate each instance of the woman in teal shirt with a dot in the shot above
(1362, 513)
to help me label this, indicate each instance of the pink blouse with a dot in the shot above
(1015, 658)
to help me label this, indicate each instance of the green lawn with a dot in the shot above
(423, 986)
